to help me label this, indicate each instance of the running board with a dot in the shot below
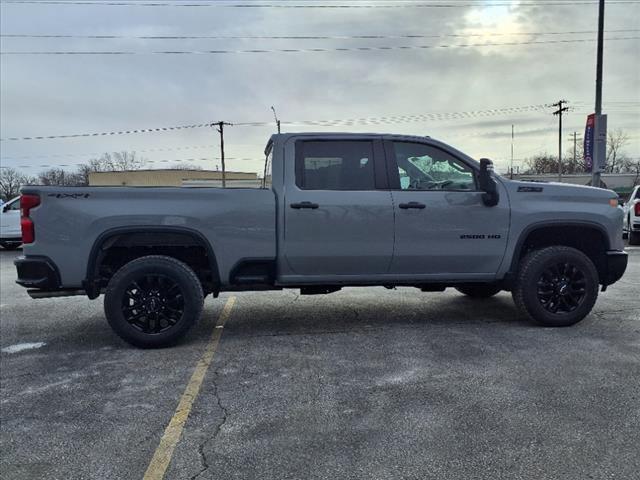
(55, 293)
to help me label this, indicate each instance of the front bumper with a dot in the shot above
(37, 272)
(616, 265)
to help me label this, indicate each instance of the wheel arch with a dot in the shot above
(163, 235)
(589, 237)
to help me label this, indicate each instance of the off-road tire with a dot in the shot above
(526, 289)
(479, 291)
(168, 270)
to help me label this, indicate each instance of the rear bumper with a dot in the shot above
(615, 267)
(37, 272)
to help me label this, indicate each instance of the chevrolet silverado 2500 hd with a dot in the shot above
(335, 210)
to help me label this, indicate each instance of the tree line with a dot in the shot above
(573, 163)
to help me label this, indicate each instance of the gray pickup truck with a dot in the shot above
(334, 210)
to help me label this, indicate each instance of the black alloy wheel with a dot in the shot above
(153, 303)
(561, 288)
(556, 286)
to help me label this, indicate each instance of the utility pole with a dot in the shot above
(561, 108)
(220, 129)
(597, 161)
(511, 151)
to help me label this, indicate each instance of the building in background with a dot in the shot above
(173, 178)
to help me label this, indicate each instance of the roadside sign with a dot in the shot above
(588, 142)
(595, 143)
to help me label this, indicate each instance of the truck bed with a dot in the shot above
(236, 222)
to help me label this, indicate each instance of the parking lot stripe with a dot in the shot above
(164, 452)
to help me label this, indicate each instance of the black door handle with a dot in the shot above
(412, 205)
(297, 206)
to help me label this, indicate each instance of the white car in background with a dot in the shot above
(632, 217)
(10, 232)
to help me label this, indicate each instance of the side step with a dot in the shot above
(55, 293)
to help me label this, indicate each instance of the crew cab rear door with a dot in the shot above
(442, 227)
(338, 215)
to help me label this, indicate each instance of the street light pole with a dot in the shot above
(595, 170)
(511, 151)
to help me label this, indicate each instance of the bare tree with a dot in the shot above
(633, 166)
(119, 161)
(109, 162)
(616, 159)
(542, 163)
(59, 177)
(10, 182)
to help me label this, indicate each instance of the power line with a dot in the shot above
(301, 37)
(311, 50)
(102, 134)
(315, 6)
(335, 122)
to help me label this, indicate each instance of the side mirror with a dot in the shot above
(488, 185)
(5, 208)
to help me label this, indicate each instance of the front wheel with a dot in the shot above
(479, 291)
(556, 286)
(153, 301)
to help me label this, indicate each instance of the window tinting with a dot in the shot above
(339, 165)
(423, 167)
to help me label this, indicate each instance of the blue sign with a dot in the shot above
(588, 142)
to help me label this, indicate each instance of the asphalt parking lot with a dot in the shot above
(363, 383)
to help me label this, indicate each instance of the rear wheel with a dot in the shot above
(556, 286)
(634, 237)
(153, 301)
(10, 245)
(479, 291)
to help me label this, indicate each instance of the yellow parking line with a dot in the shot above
(172, 433)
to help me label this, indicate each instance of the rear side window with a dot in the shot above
(339, 165)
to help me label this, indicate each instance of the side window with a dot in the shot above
(335, 165)
(423, 167)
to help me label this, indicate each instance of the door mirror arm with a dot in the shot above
(488, 184)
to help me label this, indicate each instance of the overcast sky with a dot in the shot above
(71, 94)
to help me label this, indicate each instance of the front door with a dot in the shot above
(442, 226)
(338, 211)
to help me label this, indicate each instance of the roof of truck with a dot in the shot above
(281, 138)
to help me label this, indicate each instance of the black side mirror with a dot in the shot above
(5, 208)
(488, 185)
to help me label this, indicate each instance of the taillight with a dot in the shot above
(636, 209)
(27, 202)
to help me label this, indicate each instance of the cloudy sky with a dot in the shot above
(459, 89)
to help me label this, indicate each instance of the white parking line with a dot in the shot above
(19, 347)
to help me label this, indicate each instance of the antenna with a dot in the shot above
(275, 115)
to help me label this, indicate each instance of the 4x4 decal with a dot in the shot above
(69, 195)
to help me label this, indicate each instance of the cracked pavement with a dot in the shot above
(363, 383)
